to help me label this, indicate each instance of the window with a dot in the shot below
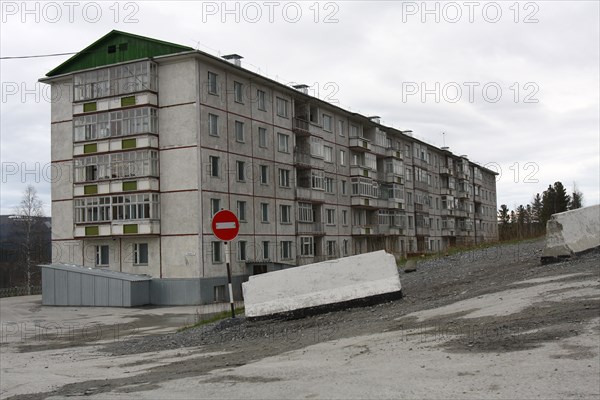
(344, 217)
(238, 92)
(331, 248)
(240, 171)
(328, 153)
(215, 206)
(286, 250)
(140, 254)
(285, 212)
(306, 246)
(213, 125)
(213, 166)
(264, 174)
(330, 215)
(283, 143)
(220, 293)
(262, 138)
(264, 212)
(342, 157)
(135, 207)
(115, 123)
(341, 128)
(217, 255)
(284, 178)
(329, 182)
(260, 98)
(317, 179)
(410, 222)
(212, 83)
(115, 81)
(353, 131)
(343, 183)
(241, 250)
(345, 247)
(327, 123)
(239, 131)
(241, 211)
(102, 255)
(282, 107)
(305, 212)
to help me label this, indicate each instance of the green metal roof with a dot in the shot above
(116, 47)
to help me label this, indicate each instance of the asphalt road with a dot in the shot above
(490, 323)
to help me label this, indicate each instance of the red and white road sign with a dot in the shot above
(225, 225)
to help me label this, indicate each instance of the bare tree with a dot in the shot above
(29, 213)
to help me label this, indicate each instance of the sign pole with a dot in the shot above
(229, 280)
(225, 226)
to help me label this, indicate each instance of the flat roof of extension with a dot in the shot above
(107, 273)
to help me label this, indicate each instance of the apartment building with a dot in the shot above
(153, 138)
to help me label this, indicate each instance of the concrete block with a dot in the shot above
(411, 265)
(571, 232)
(365, 277)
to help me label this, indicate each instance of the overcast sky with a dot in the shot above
(514, 86)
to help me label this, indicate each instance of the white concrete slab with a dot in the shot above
(572, 232)
(323, 283)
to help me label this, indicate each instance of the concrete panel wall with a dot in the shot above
(572, 232)
(329, 282)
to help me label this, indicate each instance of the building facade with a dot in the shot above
(152, 138)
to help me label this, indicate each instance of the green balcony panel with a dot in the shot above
(90, 189)
(129, 229)
(129, 143)
(87, 107)
(90, 148)
(127, 101)
(128, 186)
(92, 231)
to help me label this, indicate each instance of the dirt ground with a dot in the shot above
(488, 323)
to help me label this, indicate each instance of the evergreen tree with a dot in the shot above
(562, 198)
(548, 204)
(503, 214)
(536, 208)
(576, 199)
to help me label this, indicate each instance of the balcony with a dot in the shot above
(447, 212)
(397, 204)
(421, 208)
(118, 228)
(310, 195)
(391, 152)
(301, 127)
(304, 160)
(359, 170)
(368, 202)
(390, 230)
(118, 185)
(422, 231)
(365, 230)
(463, 194)
(445, 171)
(391, 177)
(115, 144)
(421, 185)
(447, 191)
(310, 228)
(359, 144)
(448, 232)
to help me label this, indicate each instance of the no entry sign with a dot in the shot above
(225, 225)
